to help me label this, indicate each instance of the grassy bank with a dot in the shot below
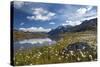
(18, 35)
(55, 53)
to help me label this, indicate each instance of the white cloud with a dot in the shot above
(18, 4)
(72, 23)
(81, 11)
(89, 8)
(39, 11)
(52, 23)
(30, 17)
(41, 14)
(35, 29)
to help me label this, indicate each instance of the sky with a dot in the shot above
(43, 17)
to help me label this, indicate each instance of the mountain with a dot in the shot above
(60, 29)
(85, 25)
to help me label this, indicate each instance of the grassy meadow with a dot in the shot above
(55, 54)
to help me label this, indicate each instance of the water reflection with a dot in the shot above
(29, 43)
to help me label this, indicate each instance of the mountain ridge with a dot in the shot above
(85, 25)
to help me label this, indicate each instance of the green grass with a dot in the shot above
(54, 54)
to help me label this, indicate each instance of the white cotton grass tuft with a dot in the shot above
(72, 52)
(90, 56)
(59, 58)
(56, 54)
(78, 59)
(82, 54)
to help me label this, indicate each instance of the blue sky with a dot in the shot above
(38, 17)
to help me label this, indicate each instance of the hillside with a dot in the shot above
(84, 26)
(20, 35)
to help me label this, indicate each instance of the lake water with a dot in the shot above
(29, 43)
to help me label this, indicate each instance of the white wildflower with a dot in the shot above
(39, 53)
(59, 58)
(71, 52)
(78, 59)
(56, 54)
(62, 52)
(67, 54)
(27, 56)
(16, 62)
(31, 64)
(82, 54)
(34, 56)
(90, 56)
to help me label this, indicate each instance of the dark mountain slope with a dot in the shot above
(86, 25)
